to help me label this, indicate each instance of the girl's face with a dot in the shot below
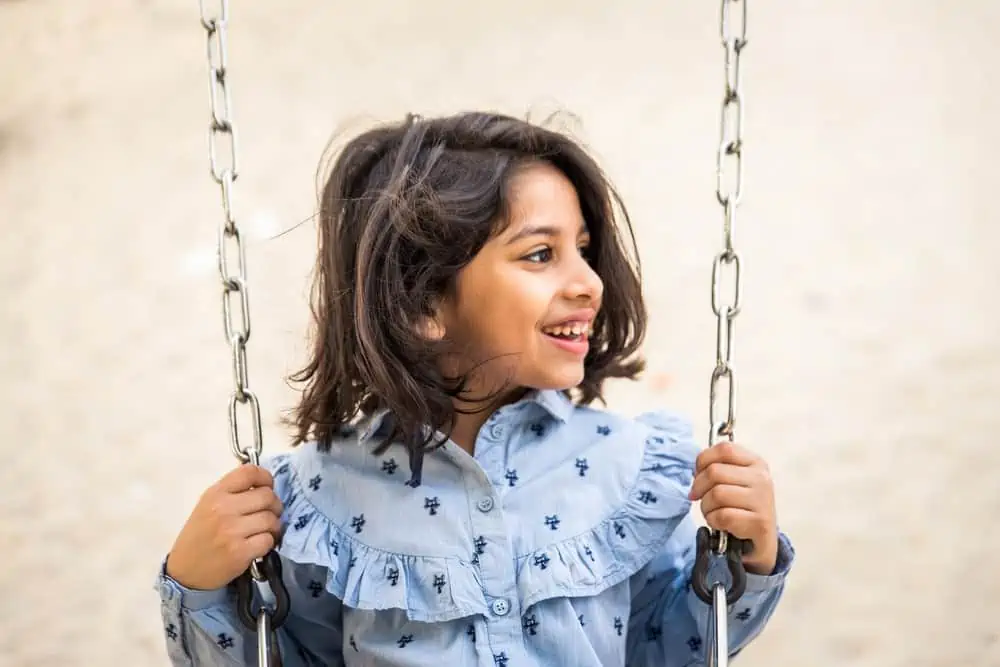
(527, 300)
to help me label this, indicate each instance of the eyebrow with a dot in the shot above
(542, 230)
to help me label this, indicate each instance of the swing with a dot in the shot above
(710, 543)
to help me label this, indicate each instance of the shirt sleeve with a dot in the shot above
(669, 624)
(202, 628)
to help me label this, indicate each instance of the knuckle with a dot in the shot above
(251, 473)
(234, 551)
(725, 449)
(713, 472)
(248, 473)
(273, 502)
(266, 544)
(699, 461)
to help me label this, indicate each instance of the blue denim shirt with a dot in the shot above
(566, 540)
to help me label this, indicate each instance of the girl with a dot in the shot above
(472, 294)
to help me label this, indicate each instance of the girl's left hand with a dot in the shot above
(737, 496)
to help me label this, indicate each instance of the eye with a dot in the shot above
(540, 256)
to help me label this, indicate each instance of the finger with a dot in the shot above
(255, 500)
(245, 477)
(725, 452)
(258, 546)
(740, 523)
(258, 523)
(725, 495)
(720, 473)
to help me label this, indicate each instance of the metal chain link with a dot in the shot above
(223, 164)
(222, 155)
(726, 286)
(726, 266)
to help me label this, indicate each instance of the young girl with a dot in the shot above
(454, 500)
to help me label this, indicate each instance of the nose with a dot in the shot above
(584, 285)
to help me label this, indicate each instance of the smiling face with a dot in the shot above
(525, 303)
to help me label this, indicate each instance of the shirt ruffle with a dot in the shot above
(623, 543)
(429, 589)
(435, 588)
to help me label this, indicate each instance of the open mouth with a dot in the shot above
(572, 337)
(575, 331)
(568, 337)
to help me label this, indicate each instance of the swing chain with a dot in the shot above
(729, 172)
(231, 251)
(726, 293)
(223, 163)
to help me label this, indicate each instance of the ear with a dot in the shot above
(431, 328)
(434, 325)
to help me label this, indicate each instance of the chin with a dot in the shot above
(560, 381)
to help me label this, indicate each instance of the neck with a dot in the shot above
(466, 429)
(470, 417)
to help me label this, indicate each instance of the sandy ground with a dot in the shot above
(867, 353)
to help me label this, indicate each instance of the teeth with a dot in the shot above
(569, 330)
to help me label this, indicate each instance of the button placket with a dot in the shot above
(490, 449)
(493, 555)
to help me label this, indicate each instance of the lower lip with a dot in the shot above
(577, 347)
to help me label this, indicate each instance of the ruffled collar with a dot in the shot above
(556, 403)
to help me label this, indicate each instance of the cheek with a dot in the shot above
(507, 316)
(523, 303)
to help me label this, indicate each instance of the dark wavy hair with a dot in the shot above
(405, 206)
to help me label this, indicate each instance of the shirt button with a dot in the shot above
(485, 504)
(497, 431)
(500, 607)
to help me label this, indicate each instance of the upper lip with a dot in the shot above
(583, 316)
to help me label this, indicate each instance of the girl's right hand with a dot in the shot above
(236, 520)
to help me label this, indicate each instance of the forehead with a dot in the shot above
(541, 195)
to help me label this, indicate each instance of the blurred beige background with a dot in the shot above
(867, 354)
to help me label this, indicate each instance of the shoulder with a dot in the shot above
(664, 437)
(649, 449)
(366, 498)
